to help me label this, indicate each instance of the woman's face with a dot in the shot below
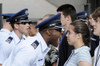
(71, 36)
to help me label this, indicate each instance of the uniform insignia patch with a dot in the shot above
(9, 39)
(35, 44)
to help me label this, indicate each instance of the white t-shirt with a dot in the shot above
(77, 55)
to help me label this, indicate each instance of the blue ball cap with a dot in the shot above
(21, 15)
(82, 15)
(53, 21)
(7, 15)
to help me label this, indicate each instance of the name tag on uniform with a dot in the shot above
(35, 44)
(9, 39)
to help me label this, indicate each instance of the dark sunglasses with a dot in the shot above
(57, 29)
(24, 23)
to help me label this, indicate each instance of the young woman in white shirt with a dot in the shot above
(79, 37)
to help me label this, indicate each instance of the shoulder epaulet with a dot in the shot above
(35, 44)
(9, 39)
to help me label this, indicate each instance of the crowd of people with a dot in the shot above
(63, 39)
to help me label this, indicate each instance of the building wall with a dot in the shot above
(79, 4)
(38, 8)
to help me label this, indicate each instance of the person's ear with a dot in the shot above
(79, 36)
(68, 18)
(48, 32)
(16, 26)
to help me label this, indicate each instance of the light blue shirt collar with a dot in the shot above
(16, 38)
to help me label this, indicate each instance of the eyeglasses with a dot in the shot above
(24, 23)
(57, 29)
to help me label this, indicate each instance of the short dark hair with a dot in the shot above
(96, 13)
(81, 27)
(68, 9)
(12, 23)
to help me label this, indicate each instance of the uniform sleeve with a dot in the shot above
(24, 57)
(5, 50)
